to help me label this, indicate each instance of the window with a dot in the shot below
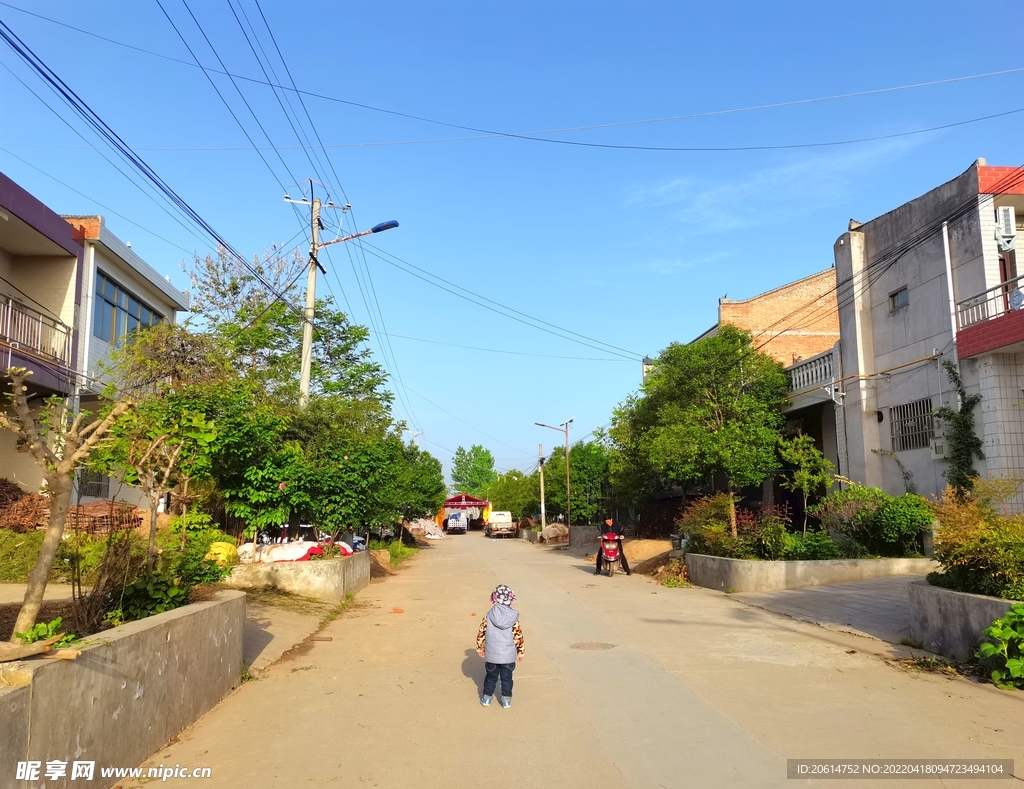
(93, 484)
(117, 312)
(911, 425)
(898, 299)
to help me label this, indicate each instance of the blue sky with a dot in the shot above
(629, 247)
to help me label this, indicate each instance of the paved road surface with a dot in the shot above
(878, 607)
(698, 691)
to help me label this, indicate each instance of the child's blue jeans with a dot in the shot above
(496, 671)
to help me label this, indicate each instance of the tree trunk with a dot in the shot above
(59, 487)
(151, 552)
(805, 513)
(732, 512)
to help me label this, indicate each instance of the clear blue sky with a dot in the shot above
(630, 247)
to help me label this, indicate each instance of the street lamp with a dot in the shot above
(568, 492)
(306, 364)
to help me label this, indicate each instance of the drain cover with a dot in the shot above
(592, 645)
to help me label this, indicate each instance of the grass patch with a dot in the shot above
(676, 583)
(909, 642)
(18, 553)
(398, 550)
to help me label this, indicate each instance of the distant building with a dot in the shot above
(792, 322)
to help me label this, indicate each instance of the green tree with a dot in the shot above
(59, 442)
(420, 483)
(515, 492)
(811, 471)
(473, 470)
(588, 480)
(712, 407)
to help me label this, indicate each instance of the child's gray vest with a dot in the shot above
(499, 646)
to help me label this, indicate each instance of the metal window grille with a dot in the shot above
(912, 425)
(93, 484)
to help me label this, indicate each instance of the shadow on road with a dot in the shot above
(473, 668)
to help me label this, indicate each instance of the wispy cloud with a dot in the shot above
(763, 196)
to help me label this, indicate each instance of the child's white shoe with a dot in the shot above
(485, 700)
(506, 702)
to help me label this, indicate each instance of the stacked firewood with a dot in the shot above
(25, 514)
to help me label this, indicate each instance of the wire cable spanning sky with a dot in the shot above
(657, 172)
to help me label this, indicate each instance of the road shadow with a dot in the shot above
(473, 669)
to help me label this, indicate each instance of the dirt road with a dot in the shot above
(686, 688)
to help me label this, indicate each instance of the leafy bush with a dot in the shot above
(762, 535)
(1003, 653)
(397, 550)
(42, 631)
(885, 525)
(813, 545)
(151, 594)
(981, 549)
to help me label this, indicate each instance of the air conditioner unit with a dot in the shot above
(1006, 227)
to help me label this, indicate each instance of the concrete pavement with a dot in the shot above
(697, 690)
(879, 607)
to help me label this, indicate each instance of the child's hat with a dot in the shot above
(502, 594)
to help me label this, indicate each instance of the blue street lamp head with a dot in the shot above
(384, 226)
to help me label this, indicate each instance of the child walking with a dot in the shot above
(499, 641)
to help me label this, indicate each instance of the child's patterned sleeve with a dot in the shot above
(517, 639)
(481, 634)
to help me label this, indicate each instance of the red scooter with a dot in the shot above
(610, 555)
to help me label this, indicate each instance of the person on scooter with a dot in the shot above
(609, 527)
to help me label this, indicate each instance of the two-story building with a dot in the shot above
(70, 290)
(933, 280)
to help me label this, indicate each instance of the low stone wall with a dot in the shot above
(331, 579)
(742, 575)
(951, 623)
(126, 696)
(584, 536)
(529, 534)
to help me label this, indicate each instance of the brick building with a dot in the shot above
(792, 322)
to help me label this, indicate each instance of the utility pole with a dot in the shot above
(540, 466)
(564, 428)
(414, 434)
(305, 370)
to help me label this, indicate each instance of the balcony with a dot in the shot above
(808, 379)
(991, 321)
(33, 334)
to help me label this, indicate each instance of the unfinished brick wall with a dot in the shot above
(84, 227)
(791, 322)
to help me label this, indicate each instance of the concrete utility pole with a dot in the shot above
(564, 428)
(540, 466)
(305, 370)
(307, 325)
(414, 434)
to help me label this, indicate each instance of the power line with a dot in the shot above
(513, 353)
(467, 424)
(477, 299)
(533, 135)
(125, 151)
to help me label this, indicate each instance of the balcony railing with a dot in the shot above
(25, 329)
(994, 302)
(811, 373)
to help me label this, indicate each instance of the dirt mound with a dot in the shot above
(10, 492)
(25, 514)
(380, 564)
(640, 550)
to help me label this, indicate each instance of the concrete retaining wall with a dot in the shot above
(127, 695)
(951, 623)
(742, 575)
(584, 536)
(529, 534)
(331, 579)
